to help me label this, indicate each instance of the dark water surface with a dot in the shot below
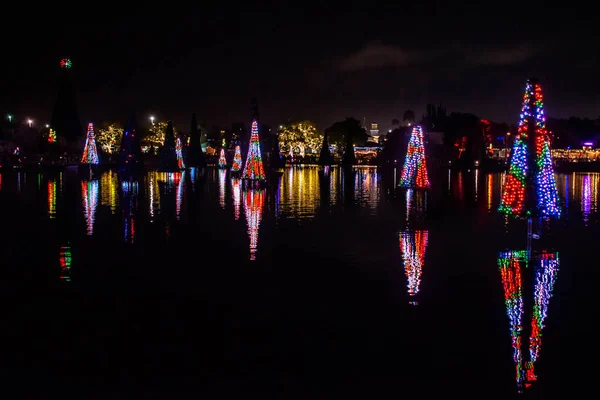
(341, 286)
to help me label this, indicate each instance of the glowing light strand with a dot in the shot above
(90, 153)
(254, 170)
(414, 171)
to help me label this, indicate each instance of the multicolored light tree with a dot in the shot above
(237, 160)
(254, 170)
(414, 171)
(90, 154)
(530, 185)
(51, 136)
(222, 159)
(512, 265)
(179, 153)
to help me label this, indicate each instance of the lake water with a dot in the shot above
(321, 286)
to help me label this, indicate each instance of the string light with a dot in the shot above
(413, 245)
(51, 136)
(222, 159)
(515, 188)
(254, 170)
(237, 160)
(414, 171)
(90, 154)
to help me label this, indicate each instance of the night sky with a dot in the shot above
(321, 64)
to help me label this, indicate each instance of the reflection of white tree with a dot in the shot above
(300, 136)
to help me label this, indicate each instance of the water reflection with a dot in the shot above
(51, 198)
(109, 196)
(89, 198)
(299, 192)
(65, 262)
(366, 187)
(236, 194)
(179, 180)
(412, 246)
(582, 189)
(129, 201)
(222, 176)
(153, 195)
(253, 207)
(513, 267)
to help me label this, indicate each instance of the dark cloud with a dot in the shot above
(507, 56)
(378, 55)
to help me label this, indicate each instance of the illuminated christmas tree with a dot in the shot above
(51, 136)
(414, 171)
(179, 153)
(222, 159)
(90, 154)
(530, 185)
(168, 156)
(254, 170)
(237, 160)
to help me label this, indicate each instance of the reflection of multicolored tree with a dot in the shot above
(65, 262)
(299, 136)
(89, 195)
(109, 138)
(254, 201)
(412, 246)
(512, 264)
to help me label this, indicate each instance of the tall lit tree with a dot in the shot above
(254, 170)
(222, 159)
(90, 154)
(157, 133)
(237, 160)
(414, 171)
(530, 186)
(179, 153)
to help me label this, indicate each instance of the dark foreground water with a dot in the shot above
(341, 286)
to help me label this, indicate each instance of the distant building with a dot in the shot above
(374, 133)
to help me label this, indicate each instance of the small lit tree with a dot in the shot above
(109, 138)
(299, 136)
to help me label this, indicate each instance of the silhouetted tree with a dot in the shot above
(349, 129)
(130, 154)
(168, 156)
(409, 117)
(195, 154)
(325, 157)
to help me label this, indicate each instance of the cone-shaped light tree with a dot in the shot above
(222, 159)
(414, 171)
(325, 157)
(254, 170)
(90, 153)
(168, 156)
(237, 160)
(530, 186)
(130, 155)
(195, 156)
(179, 153)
